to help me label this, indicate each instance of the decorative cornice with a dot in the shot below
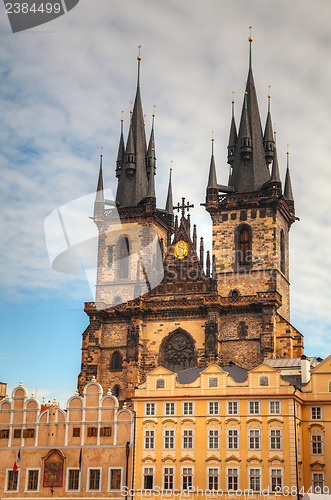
(232, 457)
(254, 458)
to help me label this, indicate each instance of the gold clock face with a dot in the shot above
(181, 249)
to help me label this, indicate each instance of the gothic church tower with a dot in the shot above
(228, 306)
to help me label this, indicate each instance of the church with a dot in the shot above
(161, 300)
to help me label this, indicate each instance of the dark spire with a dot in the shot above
(99, 194)
(212, 181)
(133, 180)
(194, 237)
(201, 251)
(120, 153)
(150, 159)
(169, 202)
(208, 264)
(275, 177)
(249, 168)
(151, 181)
(268, 140)
(232, 138)
(245, 135)
(288, 194)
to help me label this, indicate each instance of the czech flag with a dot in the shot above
(80, 459)
(17, 462)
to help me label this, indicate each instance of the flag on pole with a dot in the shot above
(80, 459)
(17, 461)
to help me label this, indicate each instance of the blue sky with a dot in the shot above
(63, 87)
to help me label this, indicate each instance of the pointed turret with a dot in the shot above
(99, 197)
(249, 168)
(120, 153)
(151, 181)
(169, 203)
(246, 149)
(232, 138)
(268, 140)
(275, 177)
(132, 172)
(139, 138)
(288, 194)
(151, 159)
(212, 180)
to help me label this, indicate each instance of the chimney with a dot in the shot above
(305, 369)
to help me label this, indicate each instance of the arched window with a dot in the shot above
(116, 361)
(160, 383)
(244, 247)
(124, 252)
(116, 390)
(282, 252)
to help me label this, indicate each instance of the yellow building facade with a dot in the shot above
(82, 451)
(227, 432)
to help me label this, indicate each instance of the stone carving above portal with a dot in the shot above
(177, 351)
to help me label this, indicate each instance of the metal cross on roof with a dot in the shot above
(183, 207)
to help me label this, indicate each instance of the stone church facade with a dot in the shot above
(228, 306)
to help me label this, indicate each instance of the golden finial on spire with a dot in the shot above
(250, 39)
(233, 92)
(287, 147)
(101, 154)
(269, 87)
(122, 116)
(139, 57)
(212, 136)
(245, 93)
(171, 166)
(154, 111)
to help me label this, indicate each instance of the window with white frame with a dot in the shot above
(94, 479)
(318, 482)
(168, 478)
(254, 407)
(233, 478)
(12, 480)
(275, 407)
(232, 407)
(170, 409)
(115, 479)
(150, 409)
(254, 439)
(316, 413)
(275, 439)
(169, 439)
(276, 479)
(213, 382)
(148, 478)
(187, 477)
(255, 479)
(188, 408)
(187, 439)
(32, 480)
(213, 475)
(213, 439)
(213, 407)
(317, 444)
(149, 439)
(73, 477)
(233, 439)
